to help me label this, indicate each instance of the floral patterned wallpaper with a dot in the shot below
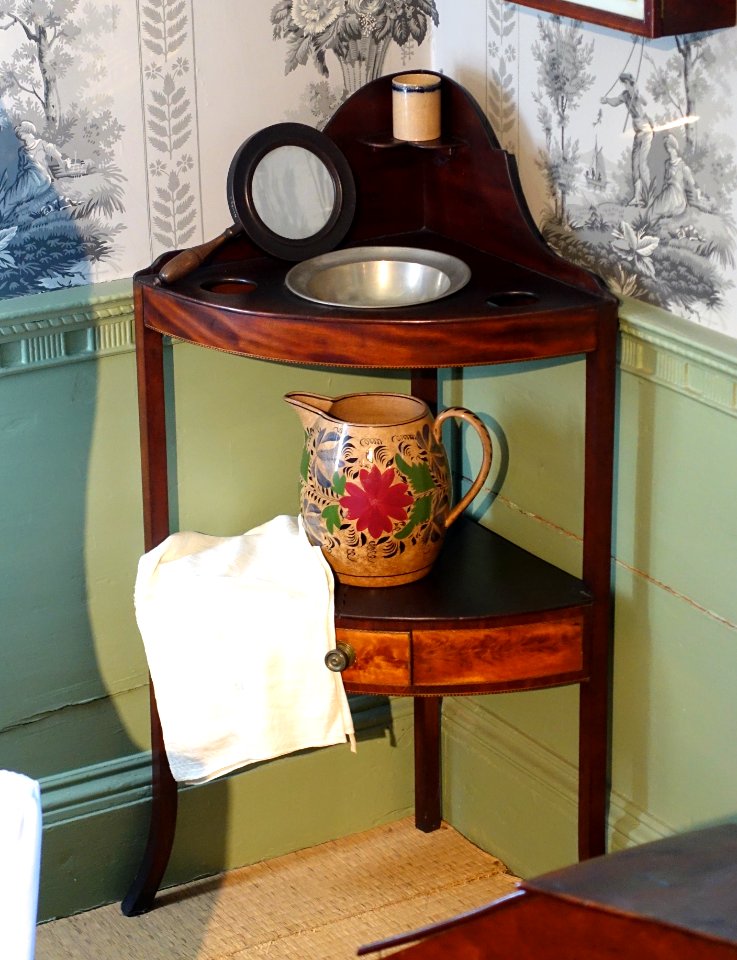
(358, 33)
(166, 46)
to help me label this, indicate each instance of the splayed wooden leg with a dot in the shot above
(140, 897)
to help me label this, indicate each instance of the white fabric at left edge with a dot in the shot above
(20, 861)
(236, 630)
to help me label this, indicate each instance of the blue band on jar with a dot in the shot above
(402, 87)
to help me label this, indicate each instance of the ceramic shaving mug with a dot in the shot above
(416, 106)
(375, 483)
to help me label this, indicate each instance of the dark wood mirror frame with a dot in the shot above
(241, 200)
(661, 18)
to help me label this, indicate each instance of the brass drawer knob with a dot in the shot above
(341, 658)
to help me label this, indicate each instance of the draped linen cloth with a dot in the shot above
(236, 630)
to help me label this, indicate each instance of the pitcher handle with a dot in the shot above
(462, 414)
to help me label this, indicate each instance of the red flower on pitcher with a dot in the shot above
(376, 500)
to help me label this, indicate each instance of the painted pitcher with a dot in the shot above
(375, 483)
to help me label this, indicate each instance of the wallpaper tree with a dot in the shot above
(563, 59)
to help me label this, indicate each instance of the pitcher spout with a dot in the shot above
(309, 406)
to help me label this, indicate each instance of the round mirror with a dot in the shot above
(292, 190)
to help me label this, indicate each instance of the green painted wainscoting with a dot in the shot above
(73, 694)
(510, 760)
(73, 688)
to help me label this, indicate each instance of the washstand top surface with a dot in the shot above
(460, 197)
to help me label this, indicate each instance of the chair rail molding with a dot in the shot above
(695, 361)
(80, 323)
(91, 322)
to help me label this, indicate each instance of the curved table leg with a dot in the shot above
(140, 897)
(428, 786)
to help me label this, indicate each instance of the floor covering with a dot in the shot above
(322, 902)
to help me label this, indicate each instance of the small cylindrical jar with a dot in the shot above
(416, 106)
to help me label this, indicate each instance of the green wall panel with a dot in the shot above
(45, 435)
(675, 712)
(675, 516)
(673, 577)
(73, 691)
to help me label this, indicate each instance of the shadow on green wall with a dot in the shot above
(51, 671)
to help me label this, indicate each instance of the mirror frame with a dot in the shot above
(240, 190)
(660, 18)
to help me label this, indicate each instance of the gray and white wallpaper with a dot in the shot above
(62, 185)
(626, 152)
(118, 122)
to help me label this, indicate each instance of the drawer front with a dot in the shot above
(496, 655)
(382, 657)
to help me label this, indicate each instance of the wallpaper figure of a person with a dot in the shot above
(643, 128)
(679, 186)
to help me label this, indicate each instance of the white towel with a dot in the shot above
(236, 630)
(20, 861)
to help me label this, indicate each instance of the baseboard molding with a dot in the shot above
(107, 786)
(98, 788)
(498, 746)
(96, 818)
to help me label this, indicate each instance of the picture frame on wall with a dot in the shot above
(648, 18)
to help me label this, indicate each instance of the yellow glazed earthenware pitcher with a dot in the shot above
(375, 487)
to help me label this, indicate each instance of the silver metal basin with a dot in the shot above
(377, 277)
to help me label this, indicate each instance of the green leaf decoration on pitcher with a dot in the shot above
(304, 466)
(420, 514)
(339, 482)
(419, 476)
(331, 516)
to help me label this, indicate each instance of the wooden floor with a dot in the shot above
(318, 903)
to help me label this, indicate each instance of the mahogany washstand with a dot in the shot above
(491, 617)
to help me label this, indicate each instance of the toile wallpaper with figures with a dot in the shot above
(627, 153)
(115, 136)
(118, 122)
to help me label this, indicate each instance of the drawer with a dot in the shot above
(382, 657)
(498, 655)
